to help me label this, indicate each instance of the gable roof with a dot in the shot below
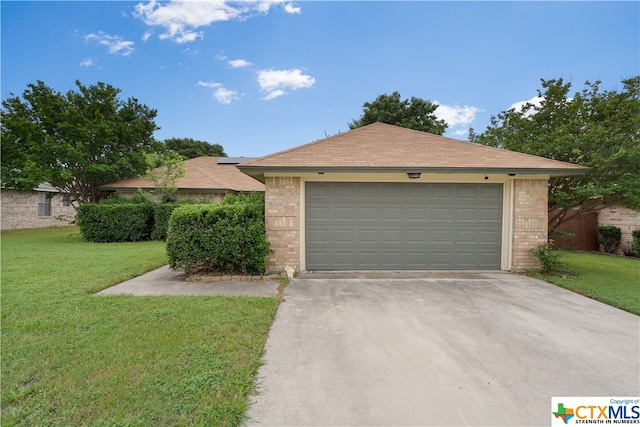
(201, 173)
(382, 147)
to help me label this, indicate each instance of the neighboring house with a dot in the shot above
(205, 178)
(390, 198)
(45, 206)
(624, 218)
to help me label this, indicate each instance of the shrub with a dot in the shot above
(115, 222)
(162, 214)
(229, 237)
(609, 236)
(635, 243)
(550, 259)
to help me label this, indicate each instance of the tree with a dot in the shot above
(164, 170)
(594, 128)
(414, 113)
(76, 141)
(190, 148)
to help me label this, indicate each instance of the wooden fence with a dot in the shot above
(585, 233)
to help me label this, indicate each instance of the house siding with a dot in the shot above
(530, 221)
(282, 221)
(624, 218)
(20, 210)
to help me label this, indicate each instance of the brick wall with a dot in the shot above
(282, 206)
(20, 210)
(530, 226)
(625, 219)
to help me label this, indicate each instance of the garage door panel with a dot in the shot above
(392, 214)
(403, 226)
(318, 212)
(441, 214)
(488, 214)
(368, 236)
(368, 213)
(491, 192)
(467, 214)
(467, 191)
(441, 192)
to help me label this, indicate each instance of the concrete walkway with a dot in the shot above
(439, 349)
(163, 281)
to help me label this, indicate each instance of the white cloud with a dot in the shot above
(220, 93)
(290, 8)
(146, 36)
(456, 115)
(239, 63)
(87, 62)
(536, 101)
(273, 94)
(114, 44)
(276, 82)
(460, 132)
(181, 18)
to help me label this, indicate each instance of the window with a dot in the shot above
(66, 200)
(44, 204)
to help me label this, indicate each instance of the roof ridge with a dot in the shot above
(310, 144)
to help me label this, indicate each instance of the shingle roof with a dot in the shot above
(201, 173)
(387, 147)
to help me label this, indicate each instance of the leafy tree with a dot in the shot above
(190, 148)
(164, 170)
(414, 113)
(75, 141)
(594, 128)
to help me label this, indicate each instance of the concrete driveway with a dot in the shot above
(439, 349)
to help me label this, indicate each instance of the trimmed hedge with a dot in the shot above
(161, 215)
(228, 237)
(610, 237)
(115, 222)
(635, 243)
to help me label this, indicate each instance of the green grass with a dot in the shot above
(72, 358)
(609, 279)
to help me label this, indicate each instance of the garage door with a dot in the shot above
(402, 226)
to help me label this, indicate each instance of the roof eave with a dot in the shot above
(258, 172)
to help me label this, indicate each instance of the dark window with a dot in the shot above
(44, 204)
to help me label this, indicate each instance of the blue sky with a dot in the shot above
(259, 77)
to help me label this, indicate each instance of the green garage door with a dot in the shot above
(398, 226)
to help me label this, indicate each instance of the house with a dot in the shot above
(627, 220)
(205, 178)
(44, 206)
(383, 197)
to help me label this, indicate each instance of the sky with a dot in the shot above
(259, 77)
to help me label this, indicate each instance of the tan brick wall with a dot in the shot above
(624, 218)
(282, 212)
(530, 221)
(20, 210)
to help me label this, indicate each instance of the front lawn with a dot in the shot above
(609, 279)
(72, 358)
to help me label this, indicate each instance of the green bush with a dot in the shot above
(228, 237)
(115, 222)
(550, 259)
(609, 236)
(254, 200)
(162, 214)
(635, 243)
